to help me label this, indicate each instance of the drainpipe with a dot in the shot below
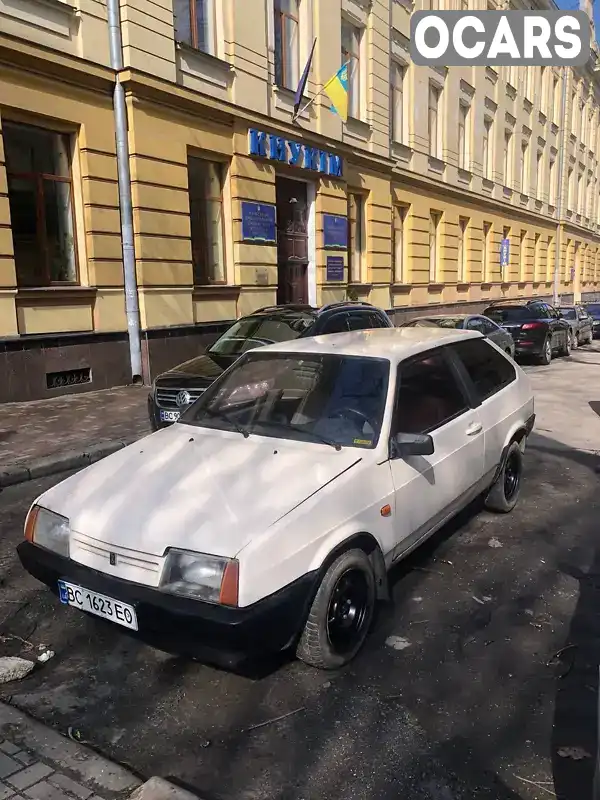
(132, 307)
(559, 207)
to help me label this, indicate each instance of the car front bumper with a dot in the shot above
(215, 634)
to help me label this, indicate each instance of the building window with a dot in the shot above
(434, 243)
(205, 186)
(524, 167)
(488, 148)
(463, 224)
(570, 189)
(356, 239)
(399, 103)
(287, 54)
(399, 243)
(544, 90)
(581, 121)
(194, 22)
(485, 255)
(40, 196)
(463, 136)
(529, 82)
(536, 257)
(538, 175)
(522, 257)
(574, 113)
(435, 145)
(351, 47)
(579, 194)
(555, 99)
(506, 159)
(551, 183)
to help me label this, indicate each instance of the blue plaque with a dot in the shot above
(335, 232)
(504, 253)
(335, 268)
(259, 223)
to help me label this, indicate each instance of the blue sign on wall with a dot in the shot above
(287, 151)
(504, 253)
(259, 223)
(335, 268)
(335, 232)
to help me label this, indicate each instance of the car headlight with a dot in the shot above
(201, 577)
(48, 530)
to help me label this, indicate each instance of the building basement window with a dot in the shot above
(40, 194)
(205, 182)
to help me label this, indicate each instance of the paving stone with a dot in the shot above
(9, 747)
(45, 791)
(29, 776)
(76, 789)
(8, 765)
(6, 791)
(25, 757)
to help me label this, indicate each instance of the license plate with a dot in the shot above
(169, 416)
(99, 604)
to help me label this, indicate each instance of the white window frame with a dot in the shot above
(435, 222)
(400, 106)
(462, 249)
(486, 230)
(356, 68)
(525, 172)
(507, 157)
(434, 131)
(464, 135)
(284, 80)
(400, 215)
(487, 161)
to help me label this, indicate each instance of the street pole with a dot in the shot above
(559, 206)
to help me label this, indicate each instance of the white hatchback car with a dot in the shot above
(268, 517)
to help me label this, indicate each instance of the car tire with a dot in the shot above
(341, 613)
(575, 341)
(565, 349)
(546, 354)
(504, 493)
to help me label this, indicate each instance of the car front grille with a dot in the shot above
(167, 398)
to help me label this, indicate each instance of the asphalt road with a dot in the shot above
(457, 694)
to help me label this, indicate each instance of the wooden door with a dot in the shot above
(292, 242)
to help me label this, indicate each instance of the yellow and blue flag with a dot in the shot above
(336, 90)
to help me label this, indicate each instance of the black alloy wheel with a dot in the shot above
(512, 476)
(347, 611)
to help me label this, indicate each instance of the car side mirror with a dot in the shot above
(413, 444)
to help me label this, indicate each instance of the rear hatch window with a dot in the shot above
(512, 314)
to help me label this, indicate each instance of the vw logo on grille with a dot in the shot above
(183, 399)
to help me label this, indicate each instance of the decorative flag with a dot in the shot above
(336, 90)
(303, 81)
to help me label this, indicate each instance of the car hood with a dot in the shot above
(194, 488)
(207, 367)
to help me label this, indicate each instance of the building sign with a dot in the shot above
(504, 253)
(335, 268)
(335, 232)
(259, 223)
(286, 151)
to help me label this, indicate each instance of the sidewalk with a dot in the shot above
(47, 436)
(36, 763)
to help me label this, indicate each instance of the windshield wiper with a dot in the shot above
(298, 429)
(226, 418)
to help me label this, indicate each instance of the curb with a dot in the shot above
(160, 789)
(11, 475)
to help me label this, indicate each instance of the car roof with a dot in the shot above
(444, 316)
(342, 305)
(395, 344)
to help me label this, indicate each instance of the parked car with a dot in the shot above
(468, 322)
(536, 327)
(580, 324)
(173, 391)
(267, 518)
(593, 309)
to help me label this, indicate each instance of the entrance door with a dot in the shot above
(292, 241)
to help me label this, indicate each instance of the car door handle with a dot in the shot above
(474, 429)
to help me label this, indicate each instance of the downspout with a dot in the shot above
(132, 307)
(561, 160)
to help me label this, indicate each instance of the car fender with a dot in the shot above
(518, 432)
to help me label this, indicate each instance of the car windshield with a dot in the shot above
(568, 313)
(443, 322)
(250, 332)
(331, 399)
(508, 314)
(593, 310)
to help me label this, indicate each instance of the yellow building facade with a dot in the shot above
(236, 206)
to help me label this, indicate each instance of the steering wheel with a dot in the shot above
(354, 412)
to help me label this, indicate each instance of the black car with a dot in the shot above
(593, 309)
(173, 391)
(537, 328)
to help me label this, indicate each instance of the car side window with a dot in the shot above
(488, 369)
(377, 321)
(488, 326)
(428, 395)
(539, 311)
(359, 321)
(337, 324)
(475, 324)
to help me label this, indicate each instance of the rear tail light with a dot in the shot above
(528, 326)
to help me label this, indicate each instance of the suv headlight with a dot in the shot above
(48, 530)
(201, 577)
